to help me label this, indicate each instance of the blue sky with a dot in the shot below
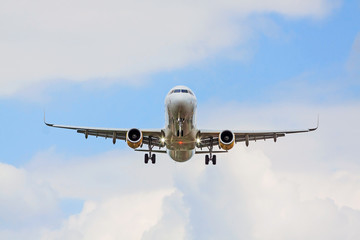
(278, 60)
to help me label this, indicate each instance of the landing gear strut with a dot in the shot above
(150, 156)
(180, 132)
(212, 157)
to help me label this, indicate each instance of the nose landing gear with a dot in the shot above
(180, 132)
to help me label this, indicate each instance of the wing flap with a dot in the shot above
(105, 134)
(242, 138)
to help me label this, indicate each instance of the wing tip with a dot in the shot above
(317, 125)
(47, 124)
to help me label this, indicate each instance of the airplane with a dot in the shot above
(180, 137)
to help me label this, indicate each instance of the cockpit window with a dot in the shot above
(181, 91)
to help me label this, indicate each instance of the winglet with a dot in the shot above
(47, 124)
(317, 126)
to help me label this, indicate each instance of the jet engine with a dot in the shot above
(134, 138)
(226, 140)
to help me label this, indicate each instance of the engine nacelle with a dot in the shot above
(226, 140)
(134, 138)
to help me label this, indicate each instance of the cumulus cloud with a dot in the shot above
(125, 217)
(22, 197)
(46, 41)
(242, 197)
(26, 205)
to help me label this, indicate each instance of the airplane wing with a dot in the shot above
(149, 135)
(211, 137)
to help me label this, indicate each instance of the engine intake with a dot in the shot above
(226, 140)
(134, 138)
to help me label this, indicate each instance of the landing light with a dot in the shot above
(162, 140)
(198, 140)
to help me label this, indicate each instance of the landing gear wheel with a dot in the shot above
(207, 159)
(214, 160)
(146, 158)
(153, 159)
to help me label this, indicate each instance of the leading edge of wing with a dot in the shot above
(257, 132)
(260, 132)
(144, 131)
(86, 128)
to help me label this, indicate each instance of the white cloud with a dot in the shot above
(22, 197)
(174, 223)
(125, 217)
(26, 205)
(242, 197)
(97, 177)
(44, 41)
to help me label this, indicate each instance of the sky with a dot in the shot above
(253, 65)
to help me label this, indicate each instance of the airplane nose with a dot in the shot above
(180, 103)
(177, 102)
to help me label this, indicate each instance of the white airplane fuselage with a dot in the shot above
(180, 123)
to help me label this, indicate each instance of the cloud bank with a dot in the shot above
(240, 198)
(46, 41)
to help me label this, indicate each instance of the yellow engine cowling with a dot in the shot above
(226, 140)
(134, 138)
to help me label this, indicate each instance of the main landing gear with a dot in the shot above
(150, 156)
(212, 157)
